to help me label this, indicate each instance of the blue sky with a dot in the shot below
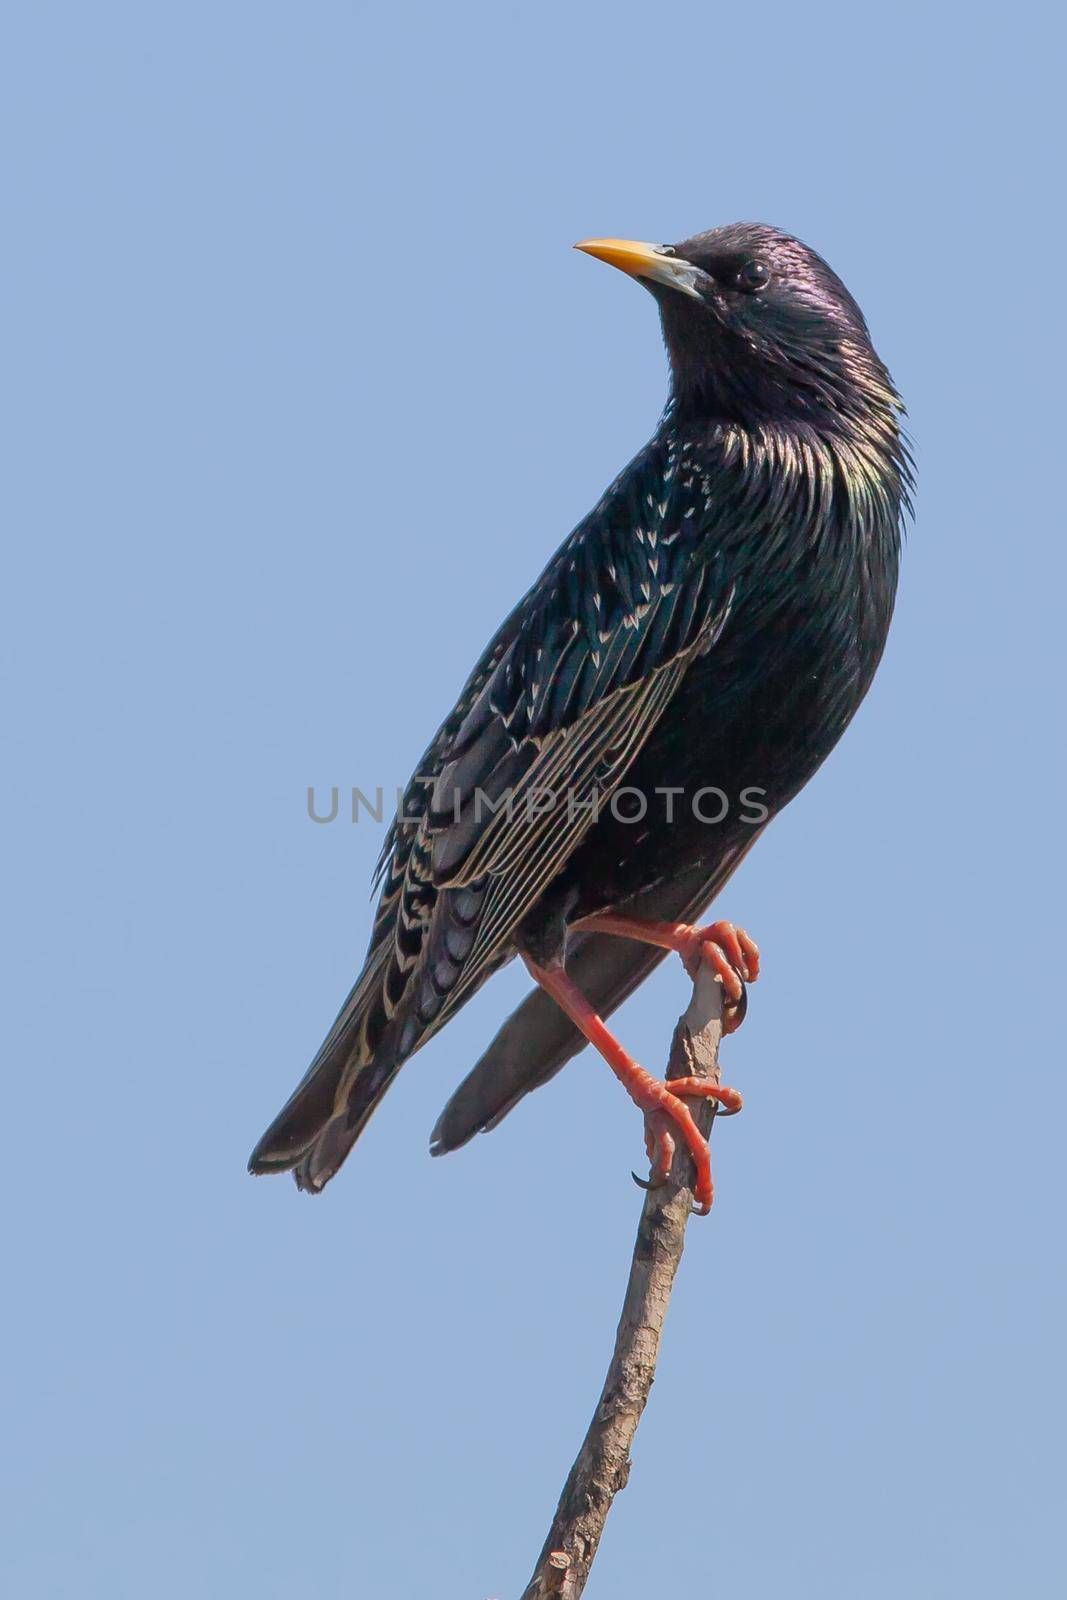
(302, 383)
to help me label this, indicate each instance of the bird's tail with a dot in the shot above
(326, 1113)
(325, 1154)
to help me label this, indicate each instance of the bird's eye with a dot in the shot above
(754, 275)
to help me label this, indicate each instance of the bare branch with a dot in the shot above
(603, 1463)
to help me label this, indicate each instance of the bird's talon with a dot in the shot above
(735, 1012)
(733, 957)
(648, 1184)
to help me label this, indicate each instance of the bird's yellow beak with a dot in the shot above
(629, 255)
(652, 261)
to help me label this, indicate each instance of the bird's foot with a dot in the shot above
(730, 952)
(663, 1103)
(733, 956)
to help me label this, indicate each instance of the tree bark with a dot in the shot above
(603, 1463)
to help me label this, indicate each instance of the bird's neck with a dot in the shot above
(855, 455)
(784, 486)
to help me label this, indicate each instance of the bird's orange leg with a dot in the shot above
(731, 953)
(663, 1102)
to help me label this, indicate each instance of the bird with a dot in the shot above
(683, 665)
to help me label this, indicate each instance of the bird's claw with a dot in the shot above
(733, 956)
(734, 1012)
(648, 1184)
(665, 1110)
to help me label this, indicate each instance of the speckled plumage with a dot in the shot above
(714, 622)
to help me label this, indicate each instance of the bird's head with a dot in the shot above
(757, 327)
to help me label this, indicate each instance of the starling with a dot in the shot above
(681, 668)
